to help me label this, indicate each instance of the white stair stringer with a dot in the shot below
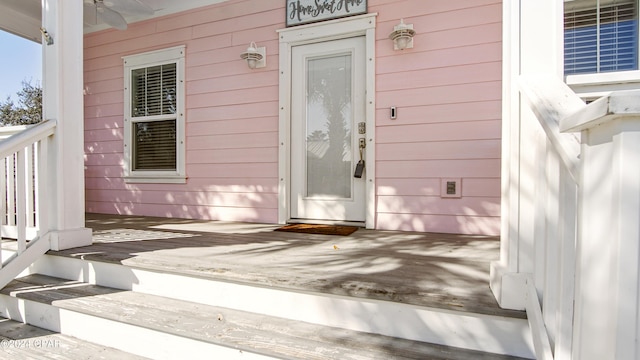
(487, 333)
(17, 263)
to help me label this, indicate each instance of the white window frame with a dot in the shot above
(590, 86)
(153, 58)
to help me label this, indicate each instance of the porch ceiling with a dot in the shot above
(23, 17)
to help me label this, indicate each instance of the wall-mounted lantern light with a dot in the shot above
(402, 36)
(255, 56)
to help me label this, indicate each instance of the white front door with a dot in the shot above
(327, 125)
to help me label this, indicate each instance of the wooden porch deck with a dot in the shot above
(433, 270)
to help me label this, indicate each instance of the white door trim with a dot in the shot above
(362, 25)
(311, 175)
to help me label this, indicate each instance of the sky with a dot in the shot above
(20, 59)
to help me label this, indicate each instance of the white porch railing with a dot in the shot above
(583, 295)
(550, 289)
(24, 169)
(9, 173)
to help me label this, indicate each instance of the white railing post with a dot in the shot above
(43, 170)
(608, 253)
(63, 101)
(11, 185)
(30, 180)
(3, 191)
(21, 201)
(568, 213)
(528, 47)
(550, 280)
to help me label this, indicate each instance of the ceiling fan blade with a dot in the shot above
(111, 17)
(131, 7)
(89, 13)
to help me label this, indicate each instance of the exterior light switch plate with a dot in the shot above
(451, 188)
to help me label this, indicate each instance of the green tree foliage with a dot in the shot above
(28, 110)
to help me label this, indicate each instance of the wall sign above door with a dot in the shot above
(306, 11)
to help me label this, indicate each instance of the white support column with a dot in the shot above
(607, 314)
(63, 101)
(532, 43)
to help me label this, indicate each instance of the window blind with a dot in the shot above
(153, 94)
(154, 90)
(601, 39)
(154, 145)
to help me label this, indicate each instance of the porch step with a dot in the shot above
(20, 341)
(459, 329)
(167, 328)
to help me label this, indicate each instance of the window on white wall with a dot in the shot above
(154, 116)
(600, 36)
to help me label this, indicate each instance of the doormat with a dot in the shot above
(319, 229)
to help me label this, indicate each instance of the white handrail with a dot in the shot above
(6, 131)
(552, 100)
(27, 137)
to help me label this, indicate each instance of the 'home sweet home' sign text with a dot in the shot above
(306, 11)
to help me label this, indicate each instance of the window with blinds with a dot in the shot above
(153, 94)
(154, 116)
(153, 90)
(600, 36)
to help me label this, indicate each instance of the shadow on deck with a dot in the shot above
(434, 270)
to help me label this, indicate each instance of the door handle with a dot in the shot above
(360, 165)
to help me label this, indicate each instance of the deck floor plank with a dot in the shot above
(435, 270)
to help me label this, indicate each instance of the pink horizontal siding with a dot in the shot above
(440, 168)
(222, 185)
(242, 81)
(439, 113)
(232, 156)
(474, 149)
(442, 131)
(98, 160)
(447, 90)
(462, 224)
(246, 112)
(471, 187)
(436, 77)
(212, 126)
(232, 141)
(203, 212)
(450, 94)
(191, 198)
(475, 206)
(104, 147)
(231, 115)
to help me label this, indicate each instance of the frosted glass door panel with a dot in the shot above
(329, 119)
